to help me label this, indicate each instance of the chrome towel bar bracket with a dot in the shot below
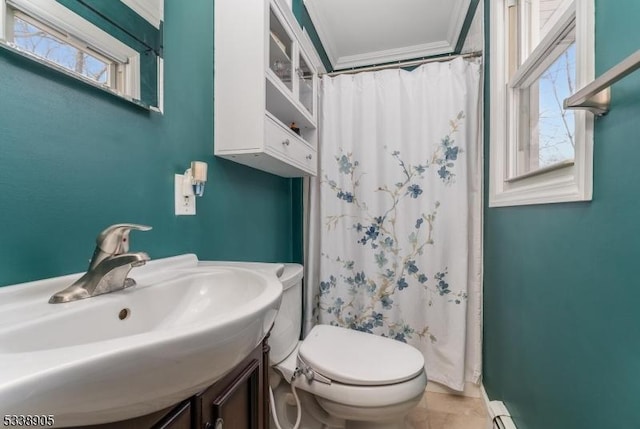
(596, 96)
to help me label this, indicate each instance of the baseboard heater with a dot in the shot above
(500, 416)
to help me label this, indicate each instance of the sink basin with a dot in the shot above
(132, 352)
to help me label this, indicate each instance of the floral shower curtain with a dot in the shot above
(395, 213)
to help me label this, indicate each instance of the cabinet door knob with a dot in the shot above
(309, 157)
(219, 424)
(286, 142)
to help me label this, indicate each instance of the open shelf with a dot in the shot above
(283, 107)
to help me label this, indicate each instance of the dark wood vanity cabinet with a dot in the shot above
(237, 401)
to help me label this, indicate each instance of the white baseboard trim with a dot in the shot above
(486, 400)
(497, 408)
(485, 397)
(471, 390)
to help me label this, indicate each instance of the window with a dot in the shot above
(34, 37)
(59, 38)
(542, 52)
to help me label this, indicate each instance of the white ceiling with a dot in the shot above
(364, 32)
(151, 10)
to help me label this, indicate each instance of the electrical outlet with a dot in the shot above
(184, 205)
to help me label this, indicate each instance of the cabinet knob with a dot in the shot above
(219, 424)
(286, 142)
(309, 156)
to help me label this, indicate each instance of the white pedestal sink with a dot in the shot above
(135, 351)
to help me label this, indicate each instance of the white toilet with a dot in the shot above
(348, 379)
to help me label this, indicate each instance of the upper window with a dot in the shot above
(46, 43)
(542, 52)
(60, 38)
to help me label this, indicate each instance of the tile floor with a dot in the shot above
(443, 411)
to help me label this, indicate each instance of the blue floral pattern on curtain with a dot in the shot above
(372, 293)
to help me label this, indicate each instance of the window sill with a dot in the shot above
(541, 171)
(561, 183)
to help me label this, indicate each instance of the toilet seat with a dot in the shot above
(366, 396)
(358, 358)
(350, 357)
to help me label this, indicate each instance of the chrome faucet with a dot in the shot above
(109, 265)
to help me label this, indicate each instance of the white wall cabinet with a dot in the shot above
(265, 80)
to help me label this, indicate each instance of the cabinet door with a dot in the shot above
(280, 50)
(175, 417)
(179, 418)
(306, 84)
(235, 404)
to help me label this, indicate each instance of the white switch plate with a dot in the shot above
(184, 205)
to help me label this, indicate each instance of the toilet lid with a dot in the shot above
(359, 358)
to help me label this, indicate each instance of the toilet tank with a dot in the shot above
(286, 329)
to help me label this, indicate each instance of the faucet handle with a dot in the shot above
(115, 239)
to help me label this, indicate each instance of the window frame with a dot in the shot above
(562, 182)
(79, 33)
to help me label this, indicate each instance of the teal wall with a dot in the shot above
(74, 160)
(561, 336)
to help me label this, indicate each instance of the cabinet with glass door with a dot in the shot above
(265, 117)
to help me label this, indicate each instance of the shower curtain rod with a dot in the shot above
(401, 64)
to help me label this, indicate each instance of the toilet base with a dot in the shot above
(389, 417)
(402, 424)
(319, 413)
